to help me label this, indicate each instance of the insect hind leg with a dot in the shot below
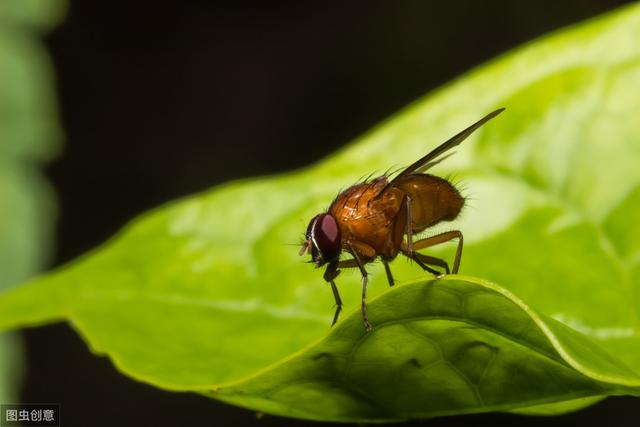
(442, 238)
(427, 260)
(409, 249)
(431, 260)
(418, 260)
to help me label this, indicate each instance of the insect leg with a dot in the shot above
(365, 279)
(409, 225)
(441, 238)
(388, 271)
(416, 257)
(336, 295)
(331, 273)
(348, 263)
(410, 249)
(431, 260)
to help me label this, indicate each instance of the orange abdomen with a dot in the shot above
(433, 199)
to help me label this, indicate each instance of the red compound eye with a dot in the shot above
(324, 234)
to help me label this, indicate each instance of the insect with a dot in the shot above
(379, 217)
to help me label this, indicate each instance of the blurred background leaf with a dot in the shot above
(29, 136)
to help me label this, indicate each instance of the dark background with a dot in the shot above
(166, 98)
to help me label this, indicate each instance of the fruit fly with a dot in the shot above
(379, 217)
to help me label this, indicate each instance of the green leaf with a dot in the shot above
(438, 348)
(207, 294)
(24, 244)
(29, 133)
(36, 14)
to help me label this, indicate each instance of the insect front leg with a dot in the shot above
(331, 273)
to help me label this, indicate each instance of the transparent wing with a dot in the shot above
(433, 158)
